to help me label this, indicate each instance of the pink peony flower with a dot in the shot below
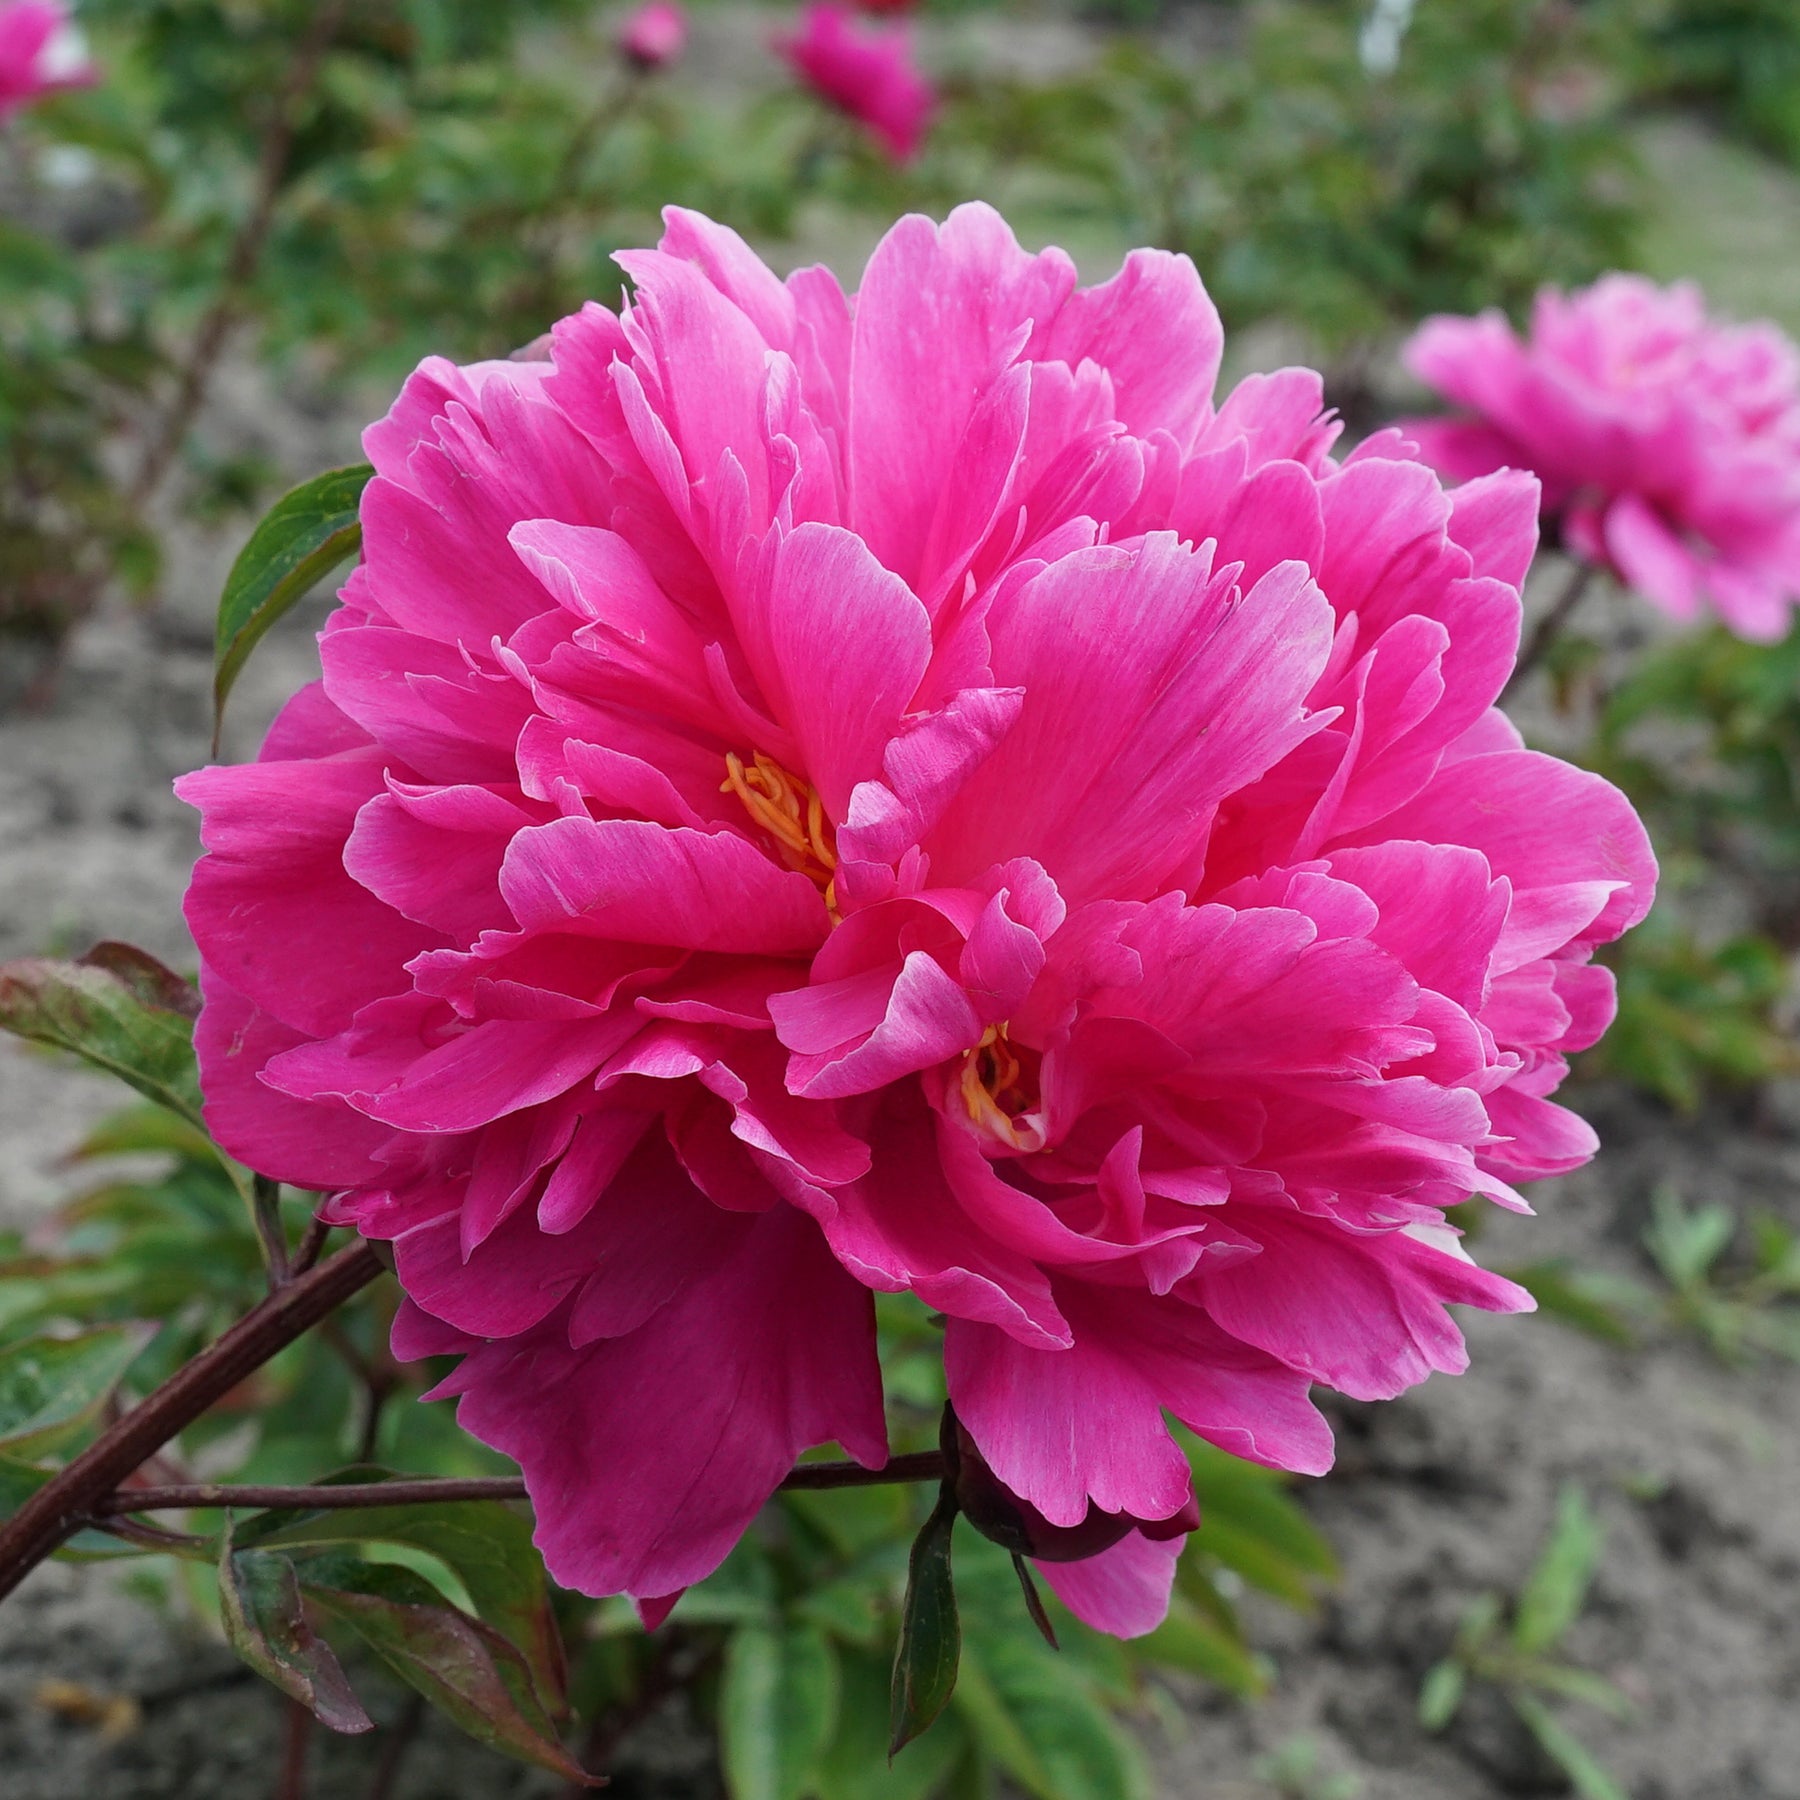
(812, 795)
(655, 35)
(1668, 445)
(41, 52)
(866, 71)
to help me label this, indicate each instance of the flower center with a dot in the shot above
(1001, 1093)
(790, 811)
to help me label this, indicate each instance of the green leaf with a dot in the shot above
(116, 1008)
(485, 1544)
(265, 1623)
(463, 1667)
(1553, 1593)
(1188, 1639)
(1687, 1244)
(1255, 1502)
(1041, 1720)
(1603, 1306)
(1586, 1776)
(777, 1707)
(1580, 1684)
(51, 1385)
(930, 1636)
(139, 1129)
(1442, 1694)
(303, 537)
(856, 1766)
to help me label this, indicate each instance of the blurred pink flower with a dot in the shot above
(41, 52)
(867, 71)
(1668, 445)
(813, 794)
(655, 35)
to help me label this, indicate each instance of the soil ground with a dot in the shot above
(1694, 1467)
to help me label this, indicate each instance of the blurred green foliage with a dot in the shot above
(1350, 202)
(1741, 58)
(1694, 1016)
(1513, 1648)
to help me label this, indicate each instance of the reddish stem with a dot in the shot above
(60, 1507)
(923, 1465)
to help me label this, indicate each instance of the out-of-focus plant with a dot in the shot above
(340, 188)
(1705, 734)
(1514, 1649)
(1296, 1770)
(1733, 1283)
(1695, 1016)
(1350, 202)
(1739, 57)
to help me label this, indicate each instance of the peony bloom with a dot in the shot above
(655, 35)
(41, 52)
(812, 795)
(865, 71)
(1668, 445)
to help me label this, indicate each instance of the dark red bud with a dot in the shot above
(1015, 1524)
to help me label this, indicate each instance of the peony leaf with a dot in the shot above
(301, 539)
(1252, 1524)
(466, 1669)
(1189, 1639)
(265, 1622)
(1554, 1591)
(855, 1765)
(117, 1008)
(1039, 1717)
(1442, 1694)
(485, 1544)
(777, 1707)
(1585, 1775)
(49, 1386)
(930, 1636)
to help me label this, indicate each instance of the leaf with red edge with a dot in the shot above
(118, 1009)
(467, 1670)
(265, 1622)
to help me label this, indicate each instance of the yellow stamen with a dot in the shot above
(997, 1093)
(792, 814)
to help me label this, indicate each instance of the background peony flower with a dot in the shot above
(812, 794)
(654, 35)
(1668, 445)
(41, 52)
(866, 71)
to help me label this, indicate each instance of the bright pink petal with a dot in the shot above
(1124, 1590)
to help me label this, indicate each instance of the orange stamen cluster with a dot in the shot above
(998, 1092)
(792, 814)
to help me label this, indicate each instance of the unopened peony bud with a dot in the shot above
(41, 52)
(1015, 1524)
(655, 35)
(865, 71)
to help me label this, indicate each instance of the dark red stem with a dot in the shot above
(924, 1465)
(60, 1507)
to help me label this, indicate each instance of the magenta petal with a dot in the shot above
(287, 926)
(643, 884)
(845, 647)
(1368, 1318)
(311, 1144)
(1063, 1427)
(1651, 557)
(1140, 714)
(644, 1467)
(1124, 1590)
